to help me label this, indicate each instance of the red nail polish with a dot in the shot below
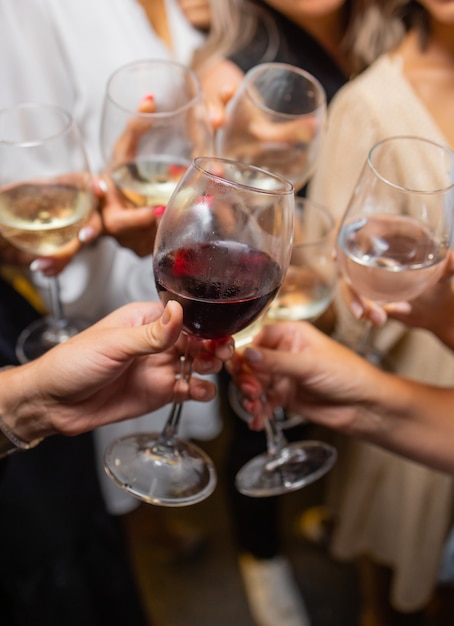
(159, 210)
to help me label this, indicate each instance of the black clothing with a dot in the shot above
(63, 560)
(294, 46)
(255, 520)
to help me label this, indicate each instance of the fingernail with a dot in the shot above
(357, 310)
(399, 307)
(40, 265)
(102, 185)
(165, 318)
(159, 210)
(148, 98)
(86, 234)
(378, 317)
(253, 355)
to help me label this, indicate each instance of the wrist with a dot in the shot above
(21, 426)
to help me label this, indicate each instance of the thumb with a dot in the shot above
(155, 336)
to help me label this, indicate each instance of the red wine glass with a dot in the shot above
(222, 250)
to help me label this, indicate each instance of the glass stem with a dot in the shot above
(275, 438)
(56, 306)
(367, 347)
(169, 432)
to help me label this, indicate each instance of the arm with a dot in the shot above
(122, 367)
(307, 372)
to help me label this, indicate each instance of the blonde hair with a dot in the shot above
(371, 28)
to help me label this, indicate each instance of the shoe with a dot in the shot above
(315, 525)
(273, 595)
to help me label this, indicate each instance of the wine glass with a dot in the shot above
(396, 231)
(275, 120)
(154, 123)
(45, 199)
(305, 294)
(222, 250)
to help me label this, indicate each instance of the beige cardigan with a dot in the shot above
(391, 509)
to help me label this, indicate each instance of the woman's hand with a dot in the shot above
(304, 371)
(433, 310)
(124, 366)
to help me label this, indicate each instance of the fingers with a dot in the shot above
(219, 82)
(126, 146)
(361, 308)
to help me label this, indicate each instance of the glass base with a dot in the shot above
(293, 467)
(44, 334)
(157, 474)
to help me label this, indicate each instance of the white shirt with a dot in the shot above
(63, 52)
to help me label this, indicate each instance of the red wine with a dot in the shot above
(222, 286)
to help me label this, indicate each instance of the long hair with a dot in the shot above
(371, 27)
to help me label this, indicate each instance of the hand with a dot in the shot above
(433, 310)
(219, 82)
(122, 367)
(132, 226)
(304, 371)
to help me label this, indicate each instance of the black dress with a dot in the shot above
(255, 520)
(63, 560)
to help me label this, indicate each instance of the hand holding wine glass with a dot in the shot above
(305, 294)
(154, 123)
(222, 250)
(45, 199)
(275, 120)
(395, 235)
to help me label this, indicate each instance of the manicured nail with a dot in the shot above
(253, 355)
(399, 307)
(159, 210)
(102, 185)
(40, 265)
(357, 310)
(86, 234)
(148, 98)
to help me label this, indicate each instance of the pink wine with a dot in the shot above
(222, 286)
(389, 258)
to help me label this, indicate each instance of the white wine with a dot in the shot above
(149, 181)
(304, 295)
(42, 218)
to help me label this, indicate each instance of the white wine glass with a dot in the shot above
(275, 120)
(306, 293)
(396, 231)
(154, 123)
(45, 199)
(222, 251)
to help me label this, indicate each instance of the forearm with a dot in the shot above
(411, 419)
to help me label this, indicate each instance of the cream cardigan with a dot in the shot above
(394, 510)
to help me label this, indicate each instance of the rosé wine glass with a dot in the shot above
(395, 234)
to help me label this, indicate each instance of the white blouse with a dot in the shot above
(63, 52)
